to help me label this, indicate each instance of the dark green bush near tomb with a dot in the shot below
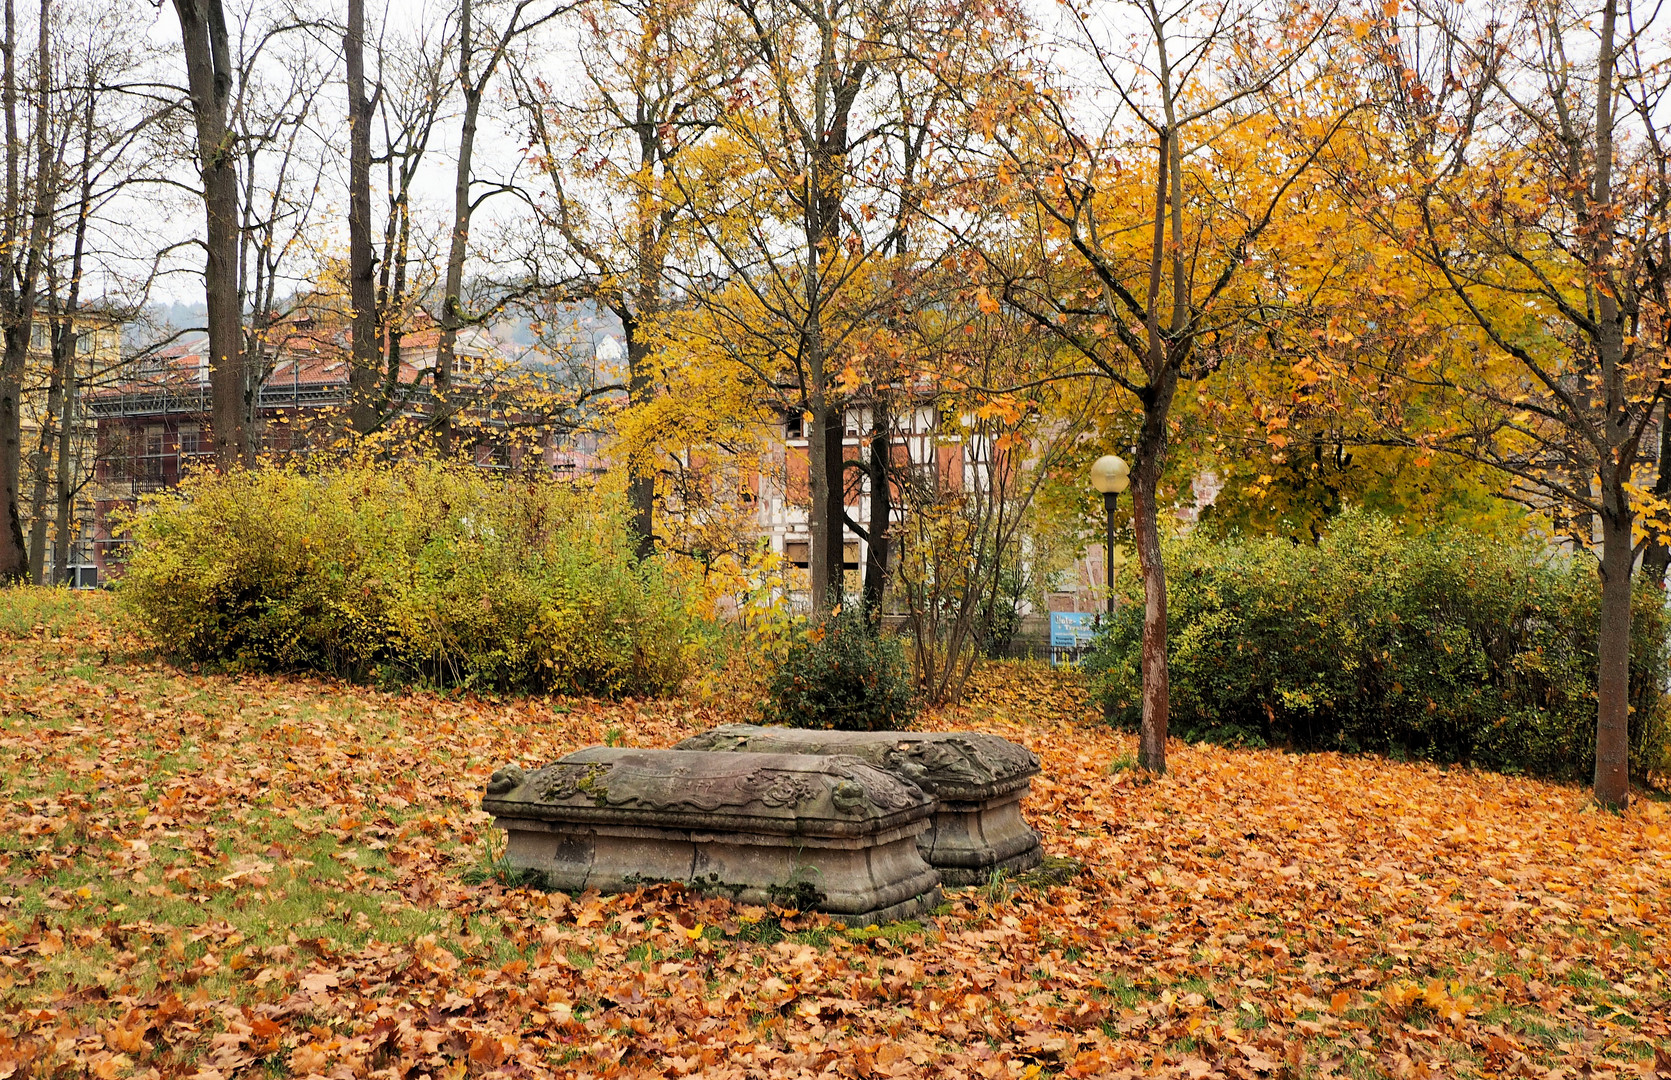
(841, 676)
(422, 573)
(1450, 646)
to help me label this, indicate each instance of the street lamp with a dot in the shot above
(1110, 475)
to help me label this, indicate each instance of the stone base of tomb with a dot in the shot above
(971, 841)
(859, 882)
(829, 833)
(978, 780)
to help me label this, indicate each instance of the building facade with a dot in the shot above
(58, 444)
(152, 426)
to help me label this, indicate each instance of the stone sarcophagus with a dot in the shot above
(978, 781)
(828, 833)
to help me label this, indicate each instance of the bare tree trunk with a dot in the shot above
(13, 553)
(1613, 649)
(364, 373)
(649, 265)
(1612, 779)
(45, 201)
(881, 511)
(65, 490)
(835, 512)
(821, 531)
(1145, 516)
(451, 301)
(834, 93)
(819, 528)
(43, 462)
(14, 563)
(641, 481)
(21, 295)
(1162, 376)
(209, 78)
(65, 344)
(46, 192)
(392, 297)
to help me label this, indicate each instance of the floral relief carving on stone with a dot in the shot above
(958, 760)
(555, 783)
(777, 788)
(876, 786)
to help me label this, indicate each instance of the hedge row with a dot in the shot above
(1449, 646)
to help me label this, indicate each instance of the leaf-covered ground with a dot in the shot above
(269, 877)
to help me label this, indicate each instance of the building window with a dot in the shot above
(150, 466)
(794, 427)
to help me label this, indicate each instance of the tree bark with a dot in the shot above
(20, 291)
(835, 513)
(1145, 515)
(64, 488)
(452, 307)
(819, 529)
(46, 199)
(43, 460)
(14, 553)
(55, 380)
(1612, 778)
(834, 95)
(641, 480)
(64, 485)
(1161, 371)
(209, 79)
(881, 511)
(14, 565)
(364, 373)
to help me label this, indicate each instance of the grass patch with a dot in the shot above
(1054, 870)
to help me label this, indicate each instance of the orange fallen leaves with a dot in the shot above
(1251, 914)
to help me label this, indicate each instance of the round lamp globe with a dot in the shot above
(1110, 474)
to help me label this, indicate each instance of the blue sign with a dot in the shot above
(1072, 629)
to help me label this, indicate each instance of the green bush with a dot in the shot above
(426, 573)
(1450, 646)
(839, 675)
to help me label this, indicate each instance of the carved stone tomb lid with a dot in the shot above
(790, 794)
(957, 766)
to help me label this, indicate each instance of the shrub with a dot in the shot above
(840, 675)
(1449, 646)
(414, 572)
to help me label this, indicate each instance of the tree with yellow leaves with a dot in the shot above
(1519, 160)
(805, 201)
(1135, 211)
(655, 75)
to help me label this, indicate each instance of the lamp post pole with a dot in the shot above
(1110, 475)
(1109, 498)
